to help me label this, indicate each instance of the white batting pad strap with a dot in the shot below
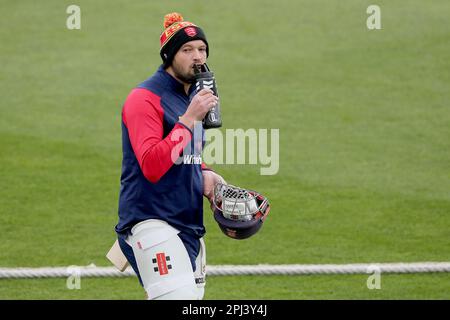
(200, 265)
(168, 285)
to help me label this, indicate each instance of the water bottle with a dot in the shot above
(204, 78)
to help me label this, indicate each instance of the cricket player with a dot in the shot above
(160, 225)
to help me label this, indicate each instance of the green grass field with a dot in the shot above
(364, 119)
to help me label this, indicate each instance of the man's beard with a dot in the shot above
(183, 76)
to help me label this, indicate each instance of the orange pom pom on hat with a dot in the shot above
(176, 33)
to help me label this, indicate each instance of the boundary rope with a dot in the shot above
(234, 270)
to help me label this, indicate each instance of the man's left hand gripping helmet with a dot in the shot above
(240, 213)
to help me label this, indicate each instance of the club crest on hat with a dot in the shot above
(173, 29)
(190, 31)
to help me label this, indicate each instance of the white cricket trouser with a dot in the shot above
(164, 264)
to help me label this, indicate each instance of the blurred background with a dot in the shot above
(364, 150)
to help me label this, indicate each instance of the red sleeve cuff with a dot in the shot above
(179, 122)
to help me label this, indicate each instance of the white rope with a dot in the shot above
(235, 270)
(299, 269)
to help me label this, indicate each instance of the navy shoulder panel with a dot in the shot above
(156, 84)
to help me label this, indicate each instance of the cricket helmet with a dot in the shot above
(239, 212)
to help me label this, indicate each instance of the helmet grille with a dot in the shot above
(239, 212)
(235, 203)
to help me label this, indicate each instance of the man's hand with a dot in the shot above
(210, 179)
(202, 102)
